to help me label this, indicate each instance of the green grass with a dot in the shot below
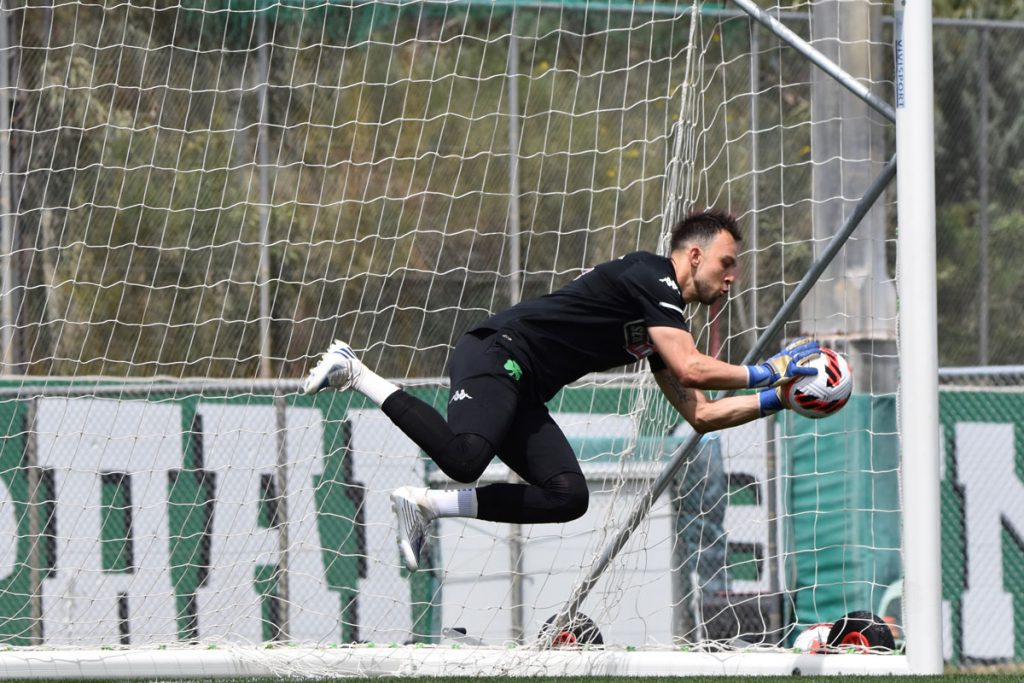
(947, 678)
(1001, 677)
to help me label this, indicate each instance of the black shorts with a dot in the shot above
(484, 395)
(492, 395)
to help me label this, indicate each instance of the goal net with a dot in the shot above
(198, 197)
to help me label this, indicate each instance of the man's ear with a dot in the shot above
(694, 255)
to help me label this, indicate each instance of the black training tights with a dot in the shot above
(538, 452)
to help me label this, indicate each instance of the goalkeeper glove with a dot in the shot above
(785, 366)
(771, 401)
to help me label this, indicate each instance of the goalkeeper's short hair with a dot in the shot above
(702, 226)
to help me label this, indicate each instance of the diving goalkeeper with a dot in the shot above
(505, 369)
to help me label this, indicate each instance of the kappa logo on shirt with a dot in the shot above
(670, 282)
(460, 395)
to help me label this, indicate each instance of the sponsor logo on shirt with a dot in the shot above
(670, 283)
(638, 344)
(460, 395)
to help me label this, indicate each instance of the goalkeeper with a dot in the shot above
(505, 369)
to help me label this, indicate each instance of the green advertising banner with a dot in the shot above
(983, 523)
(160, 518)
(841, 488)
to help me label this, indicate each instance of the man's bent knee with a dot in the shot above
(466, 457)
(573, 496)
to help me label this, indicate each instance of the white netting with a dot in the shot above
(207, 194)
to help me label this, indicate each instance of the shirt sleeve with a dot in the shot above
(657, 296)
(656, 363)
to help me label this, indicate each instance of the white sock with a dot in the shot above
(460, 503)
(373, 386)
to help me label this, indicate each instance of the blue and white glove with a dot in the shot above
(785, 366)
(771, 401)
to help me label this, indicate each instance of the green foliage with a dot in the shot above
(959, 156)
(386, 173)
(979, 9)
(385, 161)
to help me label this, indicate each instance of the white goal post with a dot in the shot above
(198, 197)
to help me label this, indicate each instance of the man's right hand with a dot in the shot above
(785, 366)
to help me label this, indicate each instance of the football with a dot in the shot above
(813, 639)
(819, 395)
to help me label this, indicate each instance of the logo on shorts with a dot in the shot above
(513, 369)
(460, 395)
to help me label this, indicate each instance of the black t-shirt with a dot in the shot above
(596, 322)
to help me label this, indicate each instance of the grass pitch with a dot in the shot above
(997, 677)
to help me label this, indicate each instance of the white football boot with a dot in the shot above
(414, 515)
(338, 367)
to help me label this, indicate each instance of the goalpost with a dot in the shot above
(198, 197)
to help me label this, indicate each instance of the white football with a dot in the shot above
(824, 393)
(813, 639)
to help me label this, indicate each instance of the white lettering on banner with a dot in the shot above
(8, 532)
(384, 458)
(993, 494)
(79, 439)
(240, 444)
(314, 611)
(947, 608)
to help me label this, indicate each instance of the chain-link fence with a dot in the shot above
(979, 224)
(982, 419)
(979, 147)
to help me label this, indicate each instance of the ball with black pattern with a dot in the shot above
(822, 394)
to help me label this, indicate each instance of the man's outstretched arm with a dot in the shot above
(690, 367)
(705, 415)
(700, 371)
